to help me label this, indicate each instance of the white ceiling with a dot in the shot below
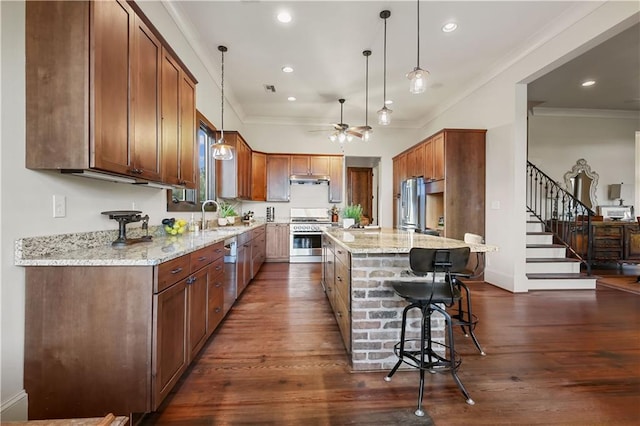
(324, 44)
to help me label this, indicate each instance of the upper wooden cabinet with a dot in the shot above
(94, 89)
(278, 172)
(178, 124)
(310, 165)
(233, 177)
(415, 161)
(258, 176)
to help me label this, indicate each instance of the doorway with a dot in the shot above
(362, 185)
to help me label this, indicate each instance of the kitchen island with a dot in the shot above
(357, 267)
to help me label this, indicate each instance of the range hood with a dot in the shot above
(310, 179)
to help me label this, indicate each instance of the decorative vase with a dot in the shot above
(348, 222)
(231, 220)
(222, 221)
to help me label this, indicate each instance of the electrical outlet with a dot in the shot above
(59, 206)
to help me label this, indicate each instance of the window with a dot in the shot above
(191, 199)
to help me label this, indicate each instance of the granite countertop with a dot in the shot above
(365, 241)
(95, 249)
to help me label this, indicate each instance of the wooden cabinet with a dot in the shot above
(178, 124)
(336, 176)
(233, 177)
(258, 176)
(129, 331)
(258, 249)
(607, 242)
(243, 268)
(415, 161)
(310, 165)
(99, 64)
(456, 188)
(632, 244)
(337, 283)
(278, 172)
(277, 242)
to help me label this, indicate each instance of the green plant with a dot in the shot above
(227, 210)
(353, 211)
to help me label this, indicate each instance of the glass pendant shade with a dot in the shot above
(333, 137)
(342, 137)
(221, 150)
(366, 135)
(418, 80)
(384, 116)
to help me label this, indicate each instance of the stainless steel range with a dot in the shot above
(305, 234)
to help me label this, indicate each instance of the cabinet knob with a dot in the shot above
(176, 271)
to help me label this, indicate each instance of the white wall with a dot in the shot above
(608, 145)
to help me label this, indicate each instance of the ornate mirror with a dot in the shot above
(581, 182)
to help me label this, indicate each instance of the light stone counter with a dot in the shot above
(95, 249)
(376, 258)
(372, 241)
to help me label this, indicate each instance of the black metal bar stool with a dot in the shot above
(426, 295)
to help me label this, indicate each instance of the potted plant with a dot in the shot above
(351, 215)
(227, 214)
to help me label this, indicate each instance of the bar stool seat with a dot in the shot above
(425, 353)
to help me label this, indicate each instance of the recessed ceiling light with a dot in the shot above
(449, 27)
(287, 69)
(291, 98)
(284, 17)
(588, 83)
(388, 102)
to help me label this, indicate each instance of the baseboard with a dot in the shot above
(16, 408)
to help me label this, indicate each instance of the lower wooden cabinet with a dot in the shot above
(102, 339)
(336, 270)
(277, 242)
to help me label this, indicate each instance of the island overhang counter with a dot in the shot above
(358, 265)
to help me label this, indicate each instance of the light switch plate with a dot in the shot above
(59, 206)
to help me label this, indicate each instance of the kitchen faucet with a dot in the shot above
(204, 203)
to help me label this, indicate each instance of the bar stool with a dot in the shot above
(426, 295)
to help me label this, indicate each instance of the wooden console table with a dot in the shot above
(613, 242)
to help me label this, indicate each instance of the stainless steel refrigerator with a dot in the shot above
(412, 205)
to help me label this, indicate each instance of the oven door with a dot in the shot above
(305, 247)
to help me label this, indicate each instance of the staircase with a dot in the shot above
(547, 266)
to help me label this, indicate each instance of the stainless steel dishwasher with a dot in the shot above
(230, 273)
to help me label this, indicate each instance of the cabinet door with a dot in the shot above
(320, 165)
(113, 28)
(187, 154)
(336, 175)
(300, 165)
(278, 178)
(258, 176)
(245, 171)
(277, 242)
(197, 294)
(438, 157)
(632, 243)
(146, 66)
(215, 296)
(428, 160)
(170, 119)
(170, 357)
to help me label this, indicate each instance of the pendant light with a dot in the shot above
(221, 150)
(384, 114)
(366, 134)
(418, 77)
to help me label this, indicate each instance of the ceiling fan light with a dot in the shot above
(418, 80)
(222, 151)
(333, 137)
(349, 137)
(342, 137)
(366, 135)
(384, 116)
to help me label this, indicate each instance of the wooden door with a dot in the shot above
(278, 178)
(112, 37)
(145, 105)
(258, 176)
(170, 357)
(360, 189)
(188, 163)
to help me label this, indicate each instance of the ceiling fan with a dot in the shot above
(342, 132)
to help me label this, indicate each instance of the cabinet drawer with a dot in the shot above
(217, 267)
(343, 256)
(342, 281)
(343, 318)
(202, 257)
(257, 232)
(218, 250)
(171, 272)
(607, 242)
(216, 304)
(608, 231)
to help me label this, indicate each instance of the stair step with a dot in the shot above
(551, 259)
(539, 238)
(571, 281)
(534, 226)
(552, 265)
(545, 251)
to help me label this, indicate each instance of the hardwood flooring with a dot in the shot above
(553, 358)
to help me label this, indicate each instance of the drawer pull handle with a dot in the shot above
(218, 284)
(218, 268)
(218, 309)
(177, 270)
(202, 258)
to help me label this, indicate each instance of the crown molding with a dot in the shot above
(586, 113)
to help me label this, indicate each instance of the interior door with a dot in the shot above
(360, 189)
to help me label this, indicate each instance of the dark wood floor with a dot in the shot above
(553, 358)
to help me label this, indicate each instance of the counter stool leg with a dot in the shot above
(426, 322)
(401, 352)
(469, 320)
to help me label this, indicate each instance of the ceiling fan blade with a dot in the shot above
(354, 133)
(360, 128)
